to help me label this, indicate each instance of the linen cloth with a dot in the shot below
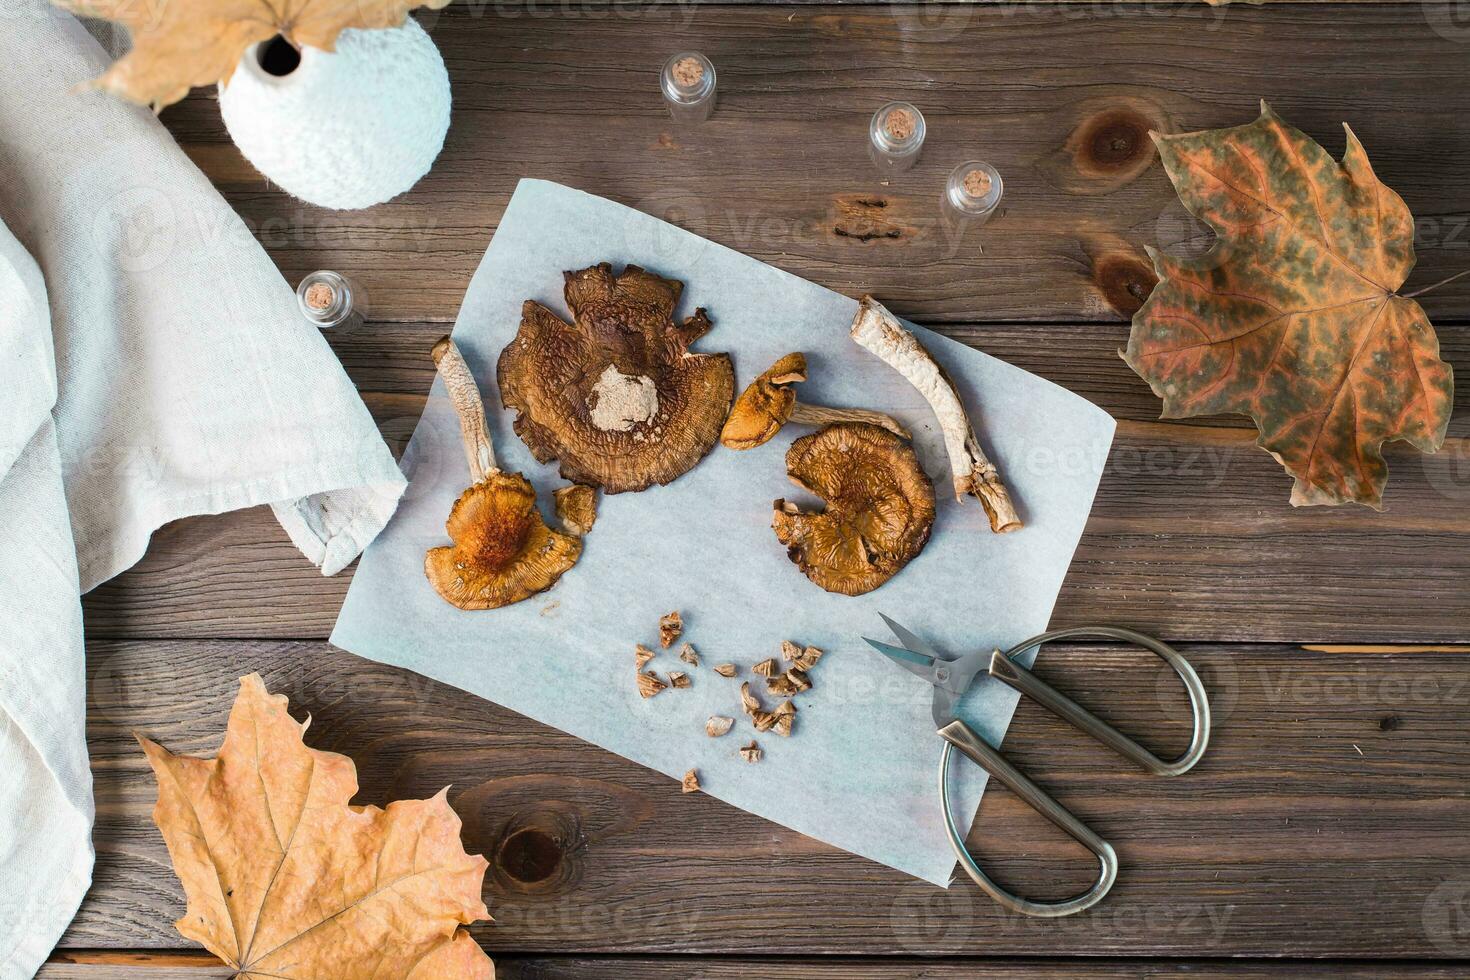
(153, 365)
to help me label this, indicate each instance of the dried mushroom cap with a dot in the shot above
(726, 670)
(616, 395)
(763, 720)
(687, 654)
(769, 402)
(690, 782)
(678, 678)
(718, 725)
(766, 668)
(503, 551)
(643, 655)
(880, 507)
(751, 752)
(789, 651)
(765, 404)
(669, 628)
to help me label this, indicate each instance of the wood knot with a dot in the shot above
(865, 218)
(1108, 146)
(529, 855)
(1125, 281)
(535, 850)
(1389, 723)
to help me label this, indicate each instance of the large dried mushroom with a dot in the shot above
(880, 507)
(879, 332)
(770, 401)
(616, 395)
(503, 551)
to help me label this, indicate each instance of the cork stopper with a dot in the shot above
(319, 295)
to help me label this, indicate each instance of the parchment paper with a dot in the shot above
(860, 770)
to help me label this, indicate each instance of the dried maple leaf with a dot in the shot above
(1293, 318)
(284, 879)
(179, 45)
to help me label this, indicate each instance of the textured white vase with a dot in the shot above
(344, 129)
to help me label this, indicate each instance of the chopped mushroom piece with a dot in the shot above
(669, 628)
(751, 752)
(643, 655)
(785, 714)
(807, 659)
(749, 701)
(687, 654)
(502, 550)
(769, 402)
(576, 508)
(718, 725)
(763, 720)
(880, 507)
(794, 681)
(678, 678)
(766, 668)
(789, 651)
(690, 782)
(726, 670)
(649, 684)
(879, 331)
(616, 395)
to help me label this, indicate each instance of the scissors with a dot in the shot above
(952, 676)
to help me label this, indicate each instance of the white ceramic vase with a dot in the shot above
(344, 129)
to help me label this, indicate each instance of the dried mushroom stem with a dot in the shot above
(464, 394)
(879, 332)
(820, 415)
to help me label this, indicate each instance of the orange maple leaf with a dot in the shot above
(285, 880)
(1295, 317)
(178, 44)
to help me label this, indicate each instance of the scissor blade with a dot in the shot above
(915, 663)
(911, 641)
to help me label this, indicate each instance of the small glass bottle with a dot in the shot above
(895, 137)
(973, 192)
(688, 83)
(331, 301)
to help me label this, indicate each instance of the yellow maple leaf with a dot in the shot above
(285, 880)
(178, 44)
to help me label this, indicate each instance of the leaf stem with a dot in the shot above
(1442, 282)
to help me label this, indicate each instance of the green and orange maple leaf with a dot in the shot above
(285, 880)
(1293, 317)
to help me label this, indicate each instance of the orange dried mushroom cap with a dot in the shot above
(770, 401)
(503, 551)
(765, 404)
(880, 507)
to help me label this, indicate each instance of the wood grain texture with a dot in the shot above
(1058, 97)
(1328, 818)
(1191, 534)
(161, 967)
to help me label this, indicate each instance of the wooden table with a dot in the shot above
(1330, 820)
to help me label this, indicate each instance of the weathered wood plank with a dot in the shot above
(1191, 535)
(173, 967)
(1327, 820)
(1060, 98)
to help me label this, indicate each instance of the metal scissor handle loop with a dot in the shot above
(959, 735)
(1004, 668)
